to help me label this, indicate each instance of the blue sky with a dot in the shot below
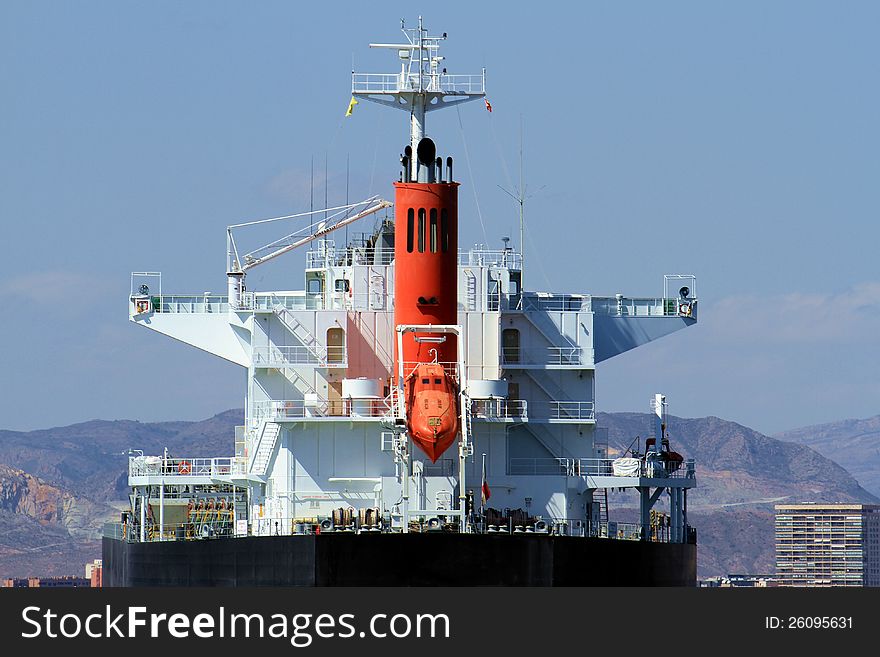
(735, 141)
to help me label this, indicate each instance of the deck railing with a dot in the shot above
(499, 409)
(141, 466)
(578, 467)
(562, 356)
(605, 467)
(193, 304)
(635, 306)
(292, 409)
(280, 356)
(221, 524)
(563, 410)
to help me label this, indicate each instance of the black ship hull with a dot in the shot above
(416, 559)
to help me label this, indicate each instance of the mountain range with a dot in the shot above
(854, 444)
(58, 486)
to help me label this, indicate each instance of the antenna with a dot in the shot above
(422, 85)
(347, 164)
(520, 197)
(325, 185)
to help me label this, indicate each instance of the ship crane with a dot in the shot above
(238, 265)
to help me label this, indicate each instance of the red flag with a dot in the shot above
(484, 488)
(488, 104)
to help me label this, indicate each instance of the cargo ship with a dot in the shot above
(414, 414)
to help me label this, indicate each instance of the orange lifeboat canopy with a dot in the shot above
(432, 410)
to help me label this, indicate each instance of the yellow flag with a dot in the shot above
(351, 106)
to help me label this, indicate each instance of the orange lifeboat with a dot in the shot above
(432, 413)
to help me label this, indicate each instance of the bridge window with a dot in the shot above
(410, 220)
(444, 231)
(433, 231)
(421, 230)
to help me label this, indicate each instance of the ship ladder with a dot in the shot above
(600, 497)
(268, 437)
(471, 289)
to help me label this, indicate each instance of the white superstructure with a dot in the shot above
(318, 446)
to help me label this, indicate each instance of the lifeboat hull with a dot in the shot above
(432, 409)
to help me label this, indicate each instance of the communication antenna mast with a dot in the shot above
(520, 197)
(421, 86)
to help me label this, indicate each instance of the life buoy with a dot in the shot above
(684, 309)
(184, 467)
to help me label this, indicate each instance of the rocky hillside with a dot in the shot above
(91, 458)
(736, 465)
(57, 486)
(25, 495)
(740, 475)
(855, 444)
(44, 529)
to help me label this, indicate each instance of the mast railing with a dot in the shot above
(393, 83)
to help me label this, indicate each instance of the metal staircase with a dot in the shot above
(292, 375)
(549, 440)
(267, 437)
(600, 497)
(548, 328)
(600, 500)
(545, 383)
(301, 333)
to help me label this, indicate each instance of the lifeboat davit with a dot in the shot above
(432, 409)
